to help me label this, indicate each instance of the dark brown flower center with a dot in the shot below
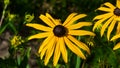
(60, 31)
(117, 11)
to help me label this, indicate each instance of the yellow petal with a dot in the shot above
(81, 32)
(74, 48)
(116, 46)
(56, 54)
(44, 49)
(109, 5)
(50, 50)
(106, 25)
(110, 28)
(106, 15)
(63, 50)
(79, 44)
(118, 28)
(75, 19)
(39, 27)
(40, 35)
(105, 9)
(115, 37)
(46, 20)
(42, 53)
(45, 42)
(49, 54)
(100, 21)
(79, 25)
(118, 4)
(52, 19)
(69, 18)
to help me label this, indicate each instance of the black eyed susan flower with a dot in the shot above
(58, 36)
(110, 18)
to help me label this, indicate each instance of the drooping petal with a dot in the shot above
(74, 48)
(45, 42)
(75, 19)
(115, 37)
(79, 44)
(69, 18)
(50, 50)
(81, 32)
(116, 46)
(109, 5)
(56, 54)
(63, 50)
(100, 21)
(118, 28)
(46, 20)
(110, 28)
(118, 4)
(106, 25)
(79, 25)
(105, 9)
(39, 27)
(39, 35)
(106, 15)
(42, 53)
(52, 19)
(44, 49)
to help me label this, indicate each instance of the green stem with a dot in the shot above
(3, 15)
(78, 62)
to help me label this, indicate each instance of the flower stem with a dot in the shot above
(78, 62)
(3, 14)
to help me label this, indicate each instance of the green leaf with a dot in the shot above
(28, 66)
(2, 29)
(111, 58)
(19, 60)
(13, 27)
(28, 52)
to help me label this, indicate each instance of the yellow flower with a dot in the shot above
(6, 2)
(29, 17)
(11, 16)
(16, 40)
(110, 18)
(58, 35)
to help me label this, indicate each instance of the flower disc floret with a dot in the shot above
(117, 11)
(60, 31)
